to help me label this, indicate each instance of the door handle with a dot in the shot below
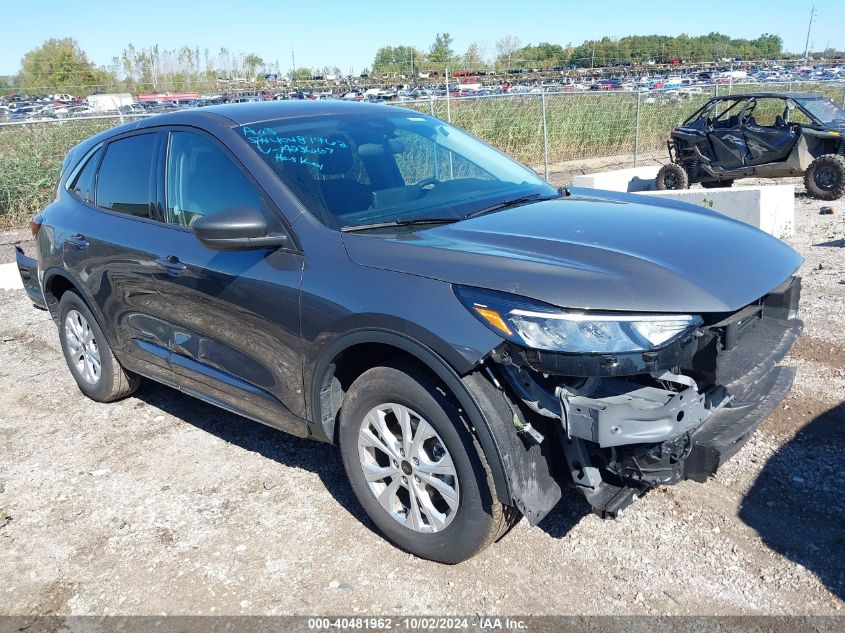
(77, 241)
(171, 264)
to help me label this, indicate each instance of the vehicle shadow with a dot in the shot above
(840, 243)
(569, 511)
(320, 458)
(797, 503)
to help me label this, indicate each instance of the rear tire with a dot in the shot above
(89, 357)
(825, 177)
(672, 176)
(376, 436)
(717, 184)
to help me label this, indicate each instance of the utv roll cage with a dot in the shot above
(751, 97)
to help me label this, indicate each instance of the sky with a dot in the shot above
(347, 33)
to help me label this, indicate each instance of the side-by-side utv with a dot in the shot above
(760, 135)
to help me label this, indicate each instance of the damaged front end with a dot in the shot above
(626, 421)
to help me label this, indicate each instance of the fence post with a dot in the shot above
(545, 137)
(715, 90)
(789, 86)
(637, 132)
(448, 100)
(431, 103)
(843, 96)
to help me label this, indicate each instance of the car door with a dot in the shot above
(770, 139)
(111, 246)
(234, 315)
(727, 139)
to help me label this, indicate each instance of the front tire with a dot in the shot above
(672, 176)
(88, 355)
(825, 177)
(416, 468)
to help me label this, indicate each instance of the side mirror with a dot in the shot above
(236, 229)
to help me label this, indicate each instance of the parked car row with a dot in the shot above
(657, 87)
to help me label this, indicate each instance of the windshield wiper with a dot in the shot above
(388, 224)
(506, 204)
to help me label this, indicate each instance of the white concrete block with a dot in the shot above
(633, 179)
(10, 278)
(771, 208)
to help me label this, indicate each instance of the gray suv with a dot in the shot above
(472, 338)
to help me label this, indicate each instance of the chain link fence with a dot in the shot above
(559, 135)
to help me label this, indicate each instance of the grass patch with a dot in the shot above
(580, 125)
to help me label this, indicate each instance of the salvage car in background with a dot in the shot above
(760, 135)
(474, 339)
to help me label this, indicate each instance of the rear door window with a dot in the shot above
(85, 181)
(126, 179)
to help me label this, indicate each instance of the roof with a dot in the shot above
(776, 95)
(243, 113)
(237, 114)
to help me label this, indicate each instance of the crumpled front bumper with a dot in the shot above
(707, 449)
(757, 387)
(722, 436)
(622, 435)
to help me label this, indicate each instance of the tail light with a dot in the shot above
(35, 223)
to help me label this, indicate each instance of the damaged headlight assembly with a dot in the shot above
(540, 326)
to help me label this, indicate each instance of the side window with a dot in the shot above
(798, 117)
(83, 184)
(767, 111)
(125, 181)
(421, 160)
(202, 179)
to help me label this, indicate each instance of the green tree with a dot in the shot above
(441, 50)
(506, 49)
(397, 59)
(59, 65)
(252, 62)
(473, 58)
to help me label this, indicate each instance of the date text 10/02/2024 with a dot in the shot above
(419, 623)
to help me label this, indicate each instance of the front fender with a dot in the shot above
(321, 425)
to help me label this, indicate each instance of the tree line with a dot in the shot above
(60, 65)
(510, 53)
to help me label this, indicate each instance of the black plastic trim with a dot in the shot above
(435, 363)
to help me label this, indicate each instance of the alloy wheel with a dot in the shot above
(408, 468)
(84, 352)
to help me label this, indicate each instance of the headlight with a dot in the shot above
(541, 326)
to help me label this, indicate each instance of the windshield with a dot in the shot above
(352, 170)
(823, 109)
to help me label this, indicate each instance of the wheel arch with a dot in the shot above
(56, 282)
(377, 345)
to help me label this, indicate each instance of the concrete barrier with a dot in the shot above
(10, 278)
(634, 179)
(770, 208)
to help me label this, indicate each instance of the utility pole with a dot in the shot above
(593, 57)
(292, 65)
(809, 26)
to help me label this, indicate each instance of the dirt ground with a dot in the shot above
(161, 504)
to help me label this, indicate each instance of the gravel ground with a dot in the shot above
(162, 504)
(9, 238)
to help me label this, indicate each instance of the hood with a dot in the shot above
(604, 252)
